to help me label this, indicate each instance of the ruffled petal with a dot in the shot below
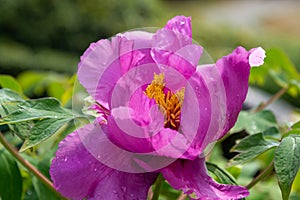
(104, 62)
(234, 70)
(112, 154)
(180, 25)
(192, 177)
(172, 47)
(122, 185)
(77, 174)
(93, 64)
(214, 97)
(203, 111)
(142, 39)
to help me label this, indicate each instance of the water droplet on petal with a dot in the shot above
(123, 188)
(95, 169)
(114, 191)
(65, 159)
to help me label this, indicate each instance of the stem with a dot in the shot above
(262, 175)
(158, 184)
(182, 196)
(271, 100)
(28, 165)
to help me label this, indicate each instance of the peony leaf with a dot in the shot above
(7, 95)
(11, 180)
(35, 120)
(255, 122)
(45, 128)
(223, 176)
(36, 109)
(287, 162)
(251, 147)
(296, 125)
(7, 81)
(280, 69)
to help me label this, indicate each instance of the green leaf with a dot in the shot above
(7, 81)
(11, 180)
(292, 132)
(255, 122)
(296, 184)
(36, 120)
(296, 125)
(223, 176)
(280, 69)
(287, 162)
(7, 95)
(280, 63)
(235, 171)
(43, 130)
(36, 109)
(251, 147)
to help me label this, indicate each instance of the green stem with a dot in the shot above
(159, 181)
(262, 175)
(28, 165)
(272, 99)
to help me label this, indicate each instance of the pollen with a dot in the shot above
(169, 103)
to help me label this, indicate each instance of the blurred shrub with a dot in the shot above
(69, 25)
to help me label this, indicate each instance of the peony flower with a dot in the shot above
(159, 110)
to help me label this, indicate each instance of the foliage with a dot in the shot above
(34, 122)
(11, 180)
(52, 34)
(278, 72)
(287, 151)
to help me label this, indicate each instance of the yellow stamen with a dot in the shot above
(170, 103)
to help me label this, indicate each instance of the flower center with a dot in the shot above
(169, 103)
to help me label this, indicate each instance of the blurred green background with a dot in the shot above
(52, 34)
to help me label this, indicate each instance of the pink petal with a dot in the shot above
(214, 96)
(257, 56)
(180, 25)
(203, 110)
(77, 174)
(234, 70)
(192, 177)
(138, 155)
(172, 47)
(171, 50)
(104, 62)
